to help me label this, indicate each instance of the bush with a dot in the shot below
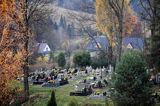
(43, 59)
(52, 101)
(131, 82)
(100, 61)
(82, 59)
(61, 60)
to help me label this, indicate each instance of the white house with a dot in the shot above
(42, 49)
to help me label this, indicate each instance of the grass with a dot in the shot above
(41, 95)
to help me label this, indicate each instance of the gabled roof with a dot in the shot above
(41, 48)
(100, 40)
(135, 42)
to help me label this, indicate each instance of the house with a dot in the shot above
(135, 43)
(42, 49)
(98, 43)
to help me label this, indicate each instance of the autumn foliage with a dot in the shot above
(12, 50)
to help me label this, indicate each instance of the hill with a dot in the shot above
(78, 18)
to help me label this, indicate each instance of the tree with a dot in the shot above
(55, 26)
(52, 101)
(100, 61)
(110, 16)
(149, 13)
(12, 46)
(131, 81)
(61, 60)
(82, 59)
(130, 25)
(71, 30)
(35, 13)
(18, 17)
(62, 22)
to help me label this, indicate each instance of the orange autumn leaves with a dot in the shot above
(11, 51)
(130, 23)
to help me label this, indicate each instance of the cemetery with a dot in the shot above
(79, 53)
(74, 83)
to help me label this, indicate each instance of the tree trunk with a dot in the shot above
(119, 48)
(26, 67)
(153, 36)
(26, 85)
(110, 55)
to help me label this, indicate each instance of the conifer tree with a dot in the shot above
(52, 101)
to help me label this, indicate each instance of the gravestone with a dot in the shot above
(158, 78)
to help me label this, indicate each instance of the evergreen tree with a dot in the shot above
(52, 101)
(82, 59)
(69, 30)
(72, 29)
(61, 60)
(131, 82)
(55, 26)
(62, 22)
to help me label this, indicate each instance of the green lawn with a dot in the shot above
(41, 95)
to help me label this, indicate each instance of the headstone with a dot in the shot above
(158, 78)
(110, 69)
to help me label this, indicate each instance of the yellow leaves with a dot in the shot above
(108, 22)
(43, 59)
(105, 21)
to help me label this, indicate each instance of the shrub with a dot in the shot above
(131, 84)
(100, 61)
(61, 60)
(82, 59)
(52, 101)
